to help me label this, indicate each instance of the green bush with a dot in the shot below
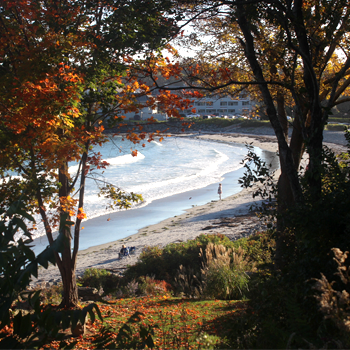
(94, 277)
(52, 295)
(164, 263)
(224, 272)
(100, 278)
(221, 122)
(316, 227)
(186, 283)
(259, 247)
(224, 282)
(149, 286)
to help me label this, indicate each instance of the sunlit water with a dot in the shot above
(163, 169)
(160, 170)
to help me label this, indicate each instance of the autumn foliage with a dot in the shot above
(66, 69)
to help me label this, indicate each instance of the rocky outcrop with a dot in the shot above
(89, 293)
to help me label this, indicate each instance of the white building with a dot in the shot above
(215, 106)
(241, 106)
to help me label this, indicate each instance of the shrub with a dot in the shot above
(317, 226)
(131, 289)
(164, 263)
(259, 247)
(183, 260)
(335, 304)
(52, 295)
(18, 263)
(100, 278)
(150, 286)
(282, 311)
(94, 277)
(224, 272)
(187, 283)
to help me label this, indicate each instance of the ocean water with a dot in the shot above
(171, 175)
(161, 169)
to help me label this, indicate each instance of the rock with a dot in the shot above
(78, 330)
(88, 293)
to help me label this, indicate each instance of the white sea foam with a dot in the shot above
(182, 165)
(189, 179)
(125, 159)
(115, 161)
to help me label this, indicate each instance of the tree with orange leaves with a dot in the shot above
(63, 71)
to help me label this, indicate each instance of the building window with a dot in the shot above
(200, 103)
(211, 110)
(209, 103)
(231, 110)
(233, 103)
(201, 111)
(222, 110)
(245, 103)
(222, 103)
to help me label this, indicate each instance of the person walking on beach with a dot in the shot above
(220, 191)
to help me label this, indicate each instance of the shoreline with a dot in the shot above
(117, 225)
(229, 216)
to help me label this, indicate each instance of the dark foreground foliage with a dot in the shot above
(32, 327)
(284, 309)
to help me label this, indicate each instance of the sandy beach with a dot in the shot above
(229, 216)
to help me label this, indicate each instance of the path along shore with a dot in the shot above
(229, 216)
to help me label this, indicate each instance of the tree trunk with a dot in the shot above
(315, 152)
(285, 194)
(315, 124)
(289, 184)
(281, 112)
(285, 152)
(70, 289)
(67, 265)
(80, 203)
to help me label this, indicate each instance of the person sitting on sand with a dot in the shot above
(220, 190)
(124, 251)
